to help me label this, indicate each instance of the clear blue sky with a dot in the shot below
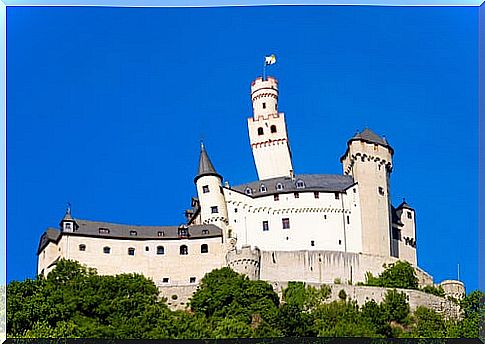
(106, 107)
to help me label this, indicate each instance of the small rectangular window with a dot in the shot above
(348, 219)
(264, 105)
(205, 188)
(103, 230)
(286, 223)
(337, 195)
(192, 280)
(381, 191)
(147, 248)
(276, 197)
(165, 280)
(312, 243)
(133, 233)
(161, 233)
(410, 216)
(316, 194)
(214, 210)
(297, 194)
(265, 226)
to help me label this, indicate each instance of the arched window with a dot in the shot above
(279, 186)
(160, 250)
(131, 251)
(249, 191)
(184, 250)
(300, 184)
(204, 248)
(106, 250)
(273, 128)
(82, 247)
(260, 131)
(263, 188)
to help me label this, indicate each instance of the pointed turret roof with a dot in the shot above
(370, 136)
(205, 165)
(404, 204)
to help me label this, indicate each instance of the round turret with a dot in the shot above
(453, 288)
(264, 96)
(245, 261)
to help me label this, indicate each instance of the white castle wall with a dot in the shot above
(323, 221)
(177, 268)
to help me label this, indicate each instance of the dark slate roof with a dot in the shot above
(205, 165)
(312, 182)
(404, 205)
(121, 231)
(370, 136)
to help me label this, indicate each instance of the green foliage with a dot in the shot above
(398, 275)
(75, 302)
(438, 291)
(342, 295)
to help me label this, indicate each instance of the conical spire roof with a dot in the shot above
(205, 165)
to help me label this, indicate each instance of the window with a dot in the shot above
(147, 248)
(260, 131)
(279, 186)
(337, 195)
(312, 243)
(300, 184)
(161, 233)
(184, 250)
(192, 280)
(340, 242)
(106, 250)
(273, 128)
(263, 188)
(183, 232)
(249, 191)
(67, 225)
(205, 188)
(235, 210)
(133, 233)
(264, 105)
(324, 217)
(410, 216)
(82, 247)
(348, 219)
(214, 210)
(131, 251)
(276, 197)
(205, 231)
(381, 191)
(165, 280)
(296, 194)
(316, 194)
(204, 248)
(265, 226)
(103, 230)
(160, 250)
(354, 190)
(286, 223)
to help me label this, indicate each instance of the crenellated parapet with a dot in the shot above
(246, 261)
(454, 289)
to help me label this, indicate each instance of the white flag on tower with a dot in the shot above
(269, 60)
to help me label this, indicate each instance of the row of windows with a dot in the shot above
(286, 223)
(103, 230)
(205, 189)
(166, 280)
(184, 250)
(272, 129)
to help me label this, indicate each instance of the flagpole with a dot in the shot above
(264, 70)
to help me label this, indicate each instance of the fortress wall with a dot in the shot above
(182, 293)
(362, 294)
(325, 266)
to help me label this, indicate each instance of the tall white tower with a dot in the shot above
(213, 207)
(369, 160)
(267, 131)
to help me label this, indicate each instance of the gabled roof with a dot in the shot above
(205, 165)
(121, 231)
(311, 182)
(404, 204)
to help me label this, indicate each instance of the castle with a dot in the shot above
(316, 228)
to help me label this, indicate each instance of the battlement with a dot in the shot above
(453, 288)
(265, 117)
(259, 83)
(245, 261)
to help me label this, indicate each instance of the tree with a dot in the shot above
(398, 275)
(428, 324)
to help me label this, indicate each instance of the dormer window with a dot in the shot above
(279, 186)
(183, 232)
(263, 188)
(300, 184)
(68, 226)
(205, 231)
(161, 233)
(249, 191)
(103, 230)
(133, 233)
